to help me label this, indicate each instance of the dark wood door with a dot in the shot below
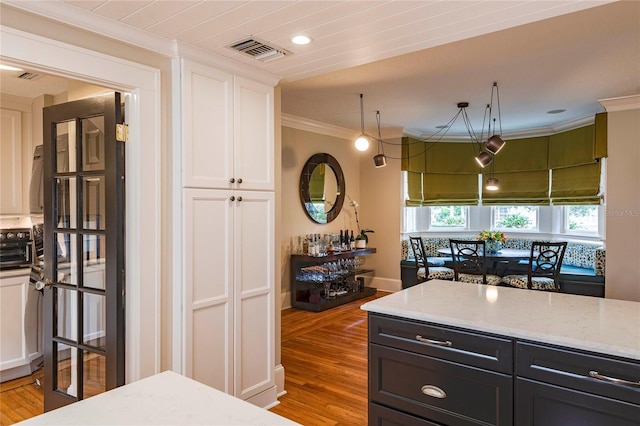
(83, 250)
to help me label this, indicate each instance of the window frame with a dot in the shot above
(533, 230)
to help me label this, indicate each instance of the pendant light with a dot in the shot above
(362, 143)
(483, 158)
(380, 160)
(493, 184)
(494, 143)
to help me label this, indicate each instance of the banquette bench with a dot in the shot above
(582, 272)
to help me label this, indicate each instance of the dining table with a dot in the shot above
(500, 261)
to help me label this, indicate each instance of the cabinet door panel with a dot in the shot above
(11, 162)
(207, 127)
(13, 351)
(254, 292)
(208, 267)
(539, 404)
(253, 135)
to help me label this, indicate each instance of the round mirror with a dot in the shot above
(322, 188)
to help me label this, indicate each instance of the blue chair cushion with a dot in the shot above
(436, 261)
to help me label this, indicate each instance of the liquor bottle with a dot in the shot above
(347, 244)
(352, 241)
(341, 240)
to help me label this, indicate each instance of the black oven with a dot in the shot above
(16, 249)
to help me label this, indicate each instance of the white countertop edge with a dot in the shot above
(471, 312)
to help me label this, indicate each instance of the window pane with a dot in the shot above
(581, 218)
(449, 217)
(515, 217)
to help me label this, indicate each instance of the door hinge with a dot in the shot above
(122, 132)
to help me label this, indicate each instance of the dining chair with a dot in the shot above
(470, 262)
(544, 267)
(424, 272)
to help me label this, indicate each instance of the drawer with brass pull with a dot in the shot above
(462, 346)
(439, 390)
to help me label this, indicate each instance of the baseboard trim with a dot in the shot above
(386, 284)
(266, 399)
(279, 379)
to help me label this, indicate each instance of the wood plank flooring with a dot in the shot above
(324, 355)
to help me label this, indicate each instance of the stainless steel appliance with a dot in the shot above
(16, 248)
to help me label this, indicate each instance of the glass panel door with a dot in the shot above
(83, 249)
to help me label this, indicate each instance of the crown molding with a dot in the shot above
(623, 103)
(518, 134)
(225, 64)
(88, 21)
(313, 126)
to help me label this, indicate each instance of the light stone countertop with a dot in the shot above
(606, 326)
(164, 399)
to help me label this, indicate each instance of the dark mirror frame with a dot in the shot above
(305, 177)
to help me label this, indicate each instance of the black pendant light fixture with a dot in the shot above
(362, 143)
(380, 160)
(494, 143)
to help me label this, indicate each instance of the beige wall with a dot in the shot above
(623, 206)
(381, 210)
(297, 147)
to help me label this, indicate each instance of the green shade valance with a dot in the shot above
(438, 157)
(519, 188)
(414, 154)
(520, 155)
(442, 189)
(584, 145)
(576, 185)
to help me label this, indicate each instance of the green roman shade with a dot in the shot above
(414, 189)
(576, 185)
(519, 188)
(442, 189)
(523, 155)
(452, 157)
(413, 155)
(600, 145)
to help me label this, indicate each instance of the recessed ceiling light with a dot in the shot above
(556, 111)
(8, 68)
(301, 39)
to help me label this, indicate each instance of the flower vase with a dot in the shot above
(493, 246)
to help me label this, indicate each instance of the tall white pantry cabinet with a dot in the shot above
(228, 232)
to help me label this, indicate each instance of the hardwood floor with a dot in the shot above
(325, 359)
(324, 355)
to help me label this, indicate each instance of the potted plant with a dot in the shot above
(493, 239)
(362, 239)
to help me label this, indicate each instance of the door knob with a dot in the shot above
(40, 285)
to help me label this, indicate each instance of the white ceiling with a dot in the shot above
(412, 60)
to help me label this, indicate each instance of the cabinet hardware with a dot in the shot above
(239, 198)
(232, 180)
(419, 338)
(232, 198)
(434, 391)
(599, 376)
(240, 180)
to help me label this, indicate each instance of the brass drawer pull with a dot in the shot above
(419, 338)
(599, 376)
(433, 391)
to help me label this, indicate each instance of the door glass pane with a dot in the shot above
(67, 266)
(93, 143)
(94, 261)
(94, 320)
(66, 196)
(65, 151)
(94, 367)
(67, 308)
(66, 360)
(93, 195)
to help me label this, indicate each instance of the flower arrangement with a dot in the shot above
(492, 236)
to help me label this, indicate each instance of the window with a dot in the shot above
(515, 217)
(581, 219)
(449, 217)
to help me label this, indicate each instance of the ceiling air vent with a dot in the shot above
(259, 50)
(29, 75)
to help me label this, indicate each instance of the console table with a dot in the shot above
(320, 283)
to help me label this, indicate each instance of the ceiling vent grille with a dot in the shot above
(259, 50)
(29, 76)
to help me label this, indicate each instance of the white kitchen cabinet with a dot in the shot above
(20, 331)
(228, 127)
(229, 300)
(10, 162)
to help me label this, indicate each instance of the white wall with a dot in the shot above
(623, 203)
(297, 147)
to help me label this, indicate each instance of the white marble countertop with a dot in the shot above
(606, 326)
(164, 399)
